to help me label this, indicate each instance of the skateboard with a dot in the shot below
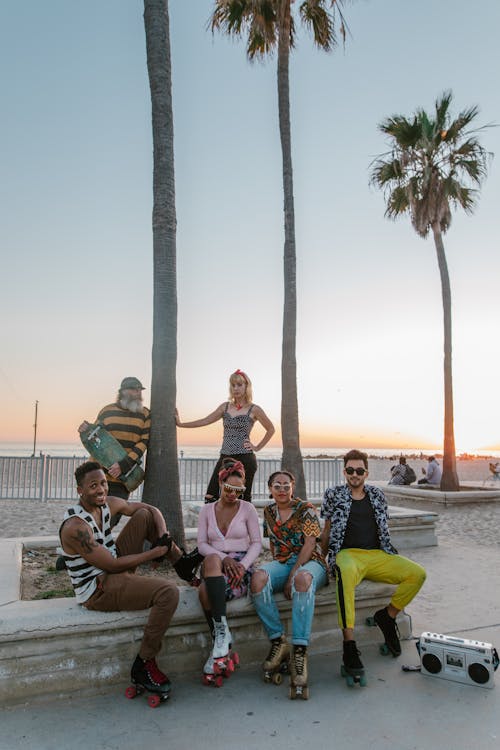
(154, 699)
(105, 449)
(353, 679)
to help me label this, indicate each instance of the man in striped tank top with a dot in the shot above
(102, 571)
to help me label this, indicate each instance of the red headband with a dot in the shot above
(242, 375)
(236, 468)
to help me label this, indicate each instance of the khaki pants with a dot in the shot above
(118, 592)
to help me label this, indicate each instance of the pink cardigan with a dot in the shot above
(243, 533)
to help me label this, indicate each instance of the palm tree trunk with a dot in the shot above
(291, 458)
(449, 481)
(161, 487)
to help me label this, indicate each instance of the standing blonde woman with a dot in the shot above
(238, 415)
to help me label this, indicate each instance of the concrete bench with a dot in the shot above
(57, 646)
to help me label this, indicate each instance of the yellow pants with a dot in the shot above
(375, 565)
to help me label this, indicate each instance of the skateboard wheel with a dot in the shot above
(277, 678)
(154, 701)
(131, 692)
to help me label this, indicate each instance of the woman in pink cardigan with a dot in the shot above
(230, 541)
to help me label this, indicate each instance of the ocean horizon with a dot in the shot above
(24, 449)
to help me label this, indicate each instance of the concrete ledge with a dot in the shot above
(56, 647)
(53, 647)
(397, 493)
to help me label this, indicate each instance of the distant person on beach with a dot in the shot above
(102, 571)
(229, 538)
(433, 473)
(402, 473)
(357, 540)
(129, 421)
(238, 416)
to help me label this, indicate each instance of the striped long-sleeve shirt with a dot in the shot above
(131, 429)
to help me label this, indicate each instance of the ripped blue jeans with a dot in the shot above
(302, 601)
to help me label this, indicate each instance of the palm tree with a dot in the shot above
(270, 25)
(161, 486)
(435, 164)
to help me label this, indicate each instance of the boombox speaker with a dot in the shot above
(458, 659)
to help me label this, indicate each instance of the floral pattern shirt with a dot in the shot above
(336, 507)
(287, 537)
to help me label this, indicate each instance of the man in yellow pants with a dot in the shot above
(357, 541)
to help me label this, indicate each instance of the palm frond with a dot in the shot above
(316, 18)
(435, 163)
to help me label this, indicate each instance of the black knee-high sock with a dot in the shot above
(216, 590)
(210, 622)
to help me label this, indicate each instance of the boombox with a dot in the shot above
(458, 659)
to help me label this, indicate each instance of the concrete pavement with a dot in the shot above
(403, 711)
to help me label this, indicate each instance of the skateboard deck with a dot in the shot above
(105, 449)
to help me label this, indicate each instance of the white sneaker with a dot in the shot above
(222, 639)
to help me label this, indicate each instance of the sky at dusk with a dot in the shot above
(76, 239)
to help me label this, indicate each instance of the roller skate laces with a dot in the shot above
(278, 651)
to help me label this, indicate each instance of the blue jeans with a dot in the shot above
(302, 601)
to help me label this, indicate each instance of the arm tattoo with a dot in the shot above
(86, 540)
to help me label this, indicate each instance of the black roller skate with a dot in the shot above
(390, 630)
(146, 675)
(164, 541)
(277, 661)
(187, 565)
(352, 668)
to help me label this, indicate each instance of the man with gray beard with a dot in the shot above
(129, 422)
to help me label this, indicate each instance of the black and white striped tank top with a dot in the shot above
(82, 574)
(236, 431)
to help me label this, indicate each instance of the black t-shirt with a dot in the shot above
(361, 530)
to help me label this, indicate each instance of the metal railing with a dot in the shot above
(52, 477)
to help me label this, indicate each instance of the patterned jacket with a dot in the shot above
(336, 508)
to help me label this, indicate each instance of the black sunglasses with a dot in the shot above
(352, 471)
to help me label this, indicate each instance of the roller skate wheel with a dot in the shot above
(229, 668)
(218, 682)
(305, 694)
(236, 659)
(370, 621)
(349, 680)
(384, 649)
(292, 693)
(154, 701)
(277, 678)
(343, 673)
(362, 681)
(131, 692)
(267, 677)
(207, 679)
